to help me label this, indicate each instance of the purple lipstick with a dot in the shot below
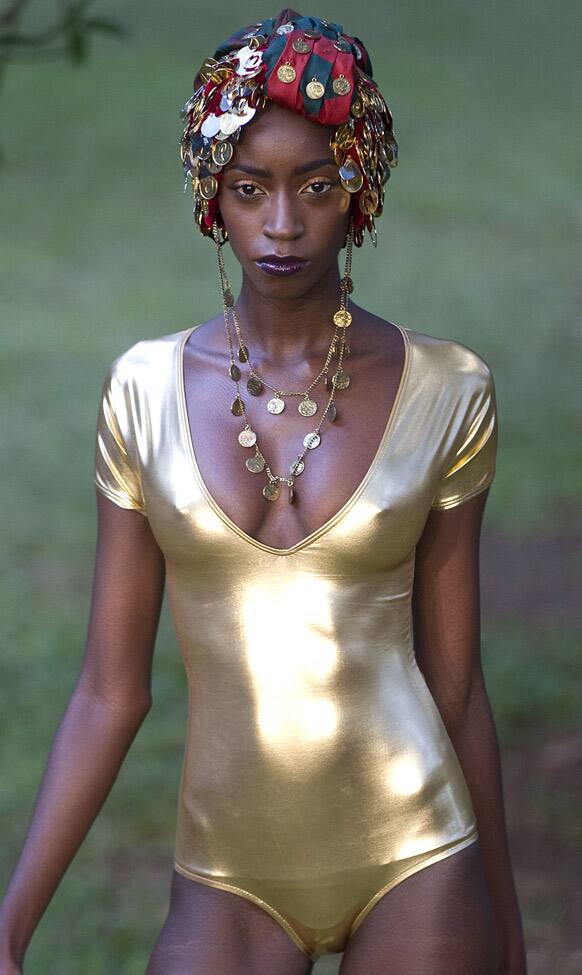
(279, 266)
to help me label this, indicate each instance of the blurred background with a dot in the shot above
(479, 242)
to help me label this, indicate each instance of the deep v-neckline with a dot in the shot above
(340, 514)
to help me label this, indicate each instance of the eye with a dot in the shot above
(325, 186)
(243, 187)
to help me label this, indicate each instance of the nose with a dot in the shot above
(283, 217)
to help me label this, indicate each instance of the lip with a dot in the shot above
(279, 266)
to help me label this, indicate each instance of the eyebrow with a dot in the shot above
(297, 171)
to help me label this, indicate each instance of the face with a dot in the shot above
(281, 195)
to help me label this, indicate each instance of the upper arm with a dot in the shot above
(129, 573)
(446, 604)
(126, 599)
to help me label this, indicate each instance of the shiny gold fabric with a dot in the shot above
(317, 770)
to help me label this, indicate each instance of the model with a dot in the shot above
(309, 481)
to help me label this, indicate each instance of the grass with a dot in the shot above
(479, 242)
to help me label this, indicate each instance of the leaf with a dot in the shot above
(77, 46)
(106, 27)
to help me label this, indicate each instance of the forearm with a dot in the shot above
(474, 738)
(89, 747)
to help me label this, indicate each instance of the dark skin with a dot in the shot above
(286, 323)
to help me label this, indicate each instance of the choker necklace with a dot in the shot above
(256, 384)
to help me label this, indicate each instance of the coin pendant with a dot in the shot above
(242, 353)
(297, 467)
(208, 187)
(286, 73)
(314, 34)
(341, 380)
(234, 372)
(255, 464)
(332, 412)
(344, 137)
(342, 318)
(276, 405)
(271, 491)
(255, 386)
(222, 153)
(237, 406)
(341, 85)
(312, 440)
(291, 494)
(307, 407)
(212, 166)
(357, 108)
(351, 177)
(369, 201)
(301, 46)
(247, 438)
(314, 89)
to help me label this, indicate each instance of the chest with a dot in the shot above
(333, 471)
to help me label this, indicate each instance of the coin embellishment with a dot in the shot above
(351, 177)
(312, 440)
(271, 491)
(276, 405)
(314, 89)
(286, 73)
(222, 153)
(255, 464)
(234, 372)
(297, 467)
(301, 46)
(247, 438)
(307, 407)
(237, 406)
(342, 318)
(208, 187)
(341, 85)
(332, 413)
(341, 380)
(255, 386)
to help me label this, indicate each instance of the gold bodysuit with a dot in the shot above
(317, 771)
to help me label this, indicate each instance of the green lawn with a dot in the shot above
(480, 241)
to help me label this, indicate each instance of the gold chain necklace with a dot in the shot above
(255, 384)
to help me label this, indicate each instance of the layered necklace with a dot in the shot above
(256, 384)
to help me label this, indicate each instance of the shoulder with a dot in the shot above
(139, 360)
(449, 364)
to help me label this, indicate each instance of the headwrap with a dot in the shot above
(311, 67)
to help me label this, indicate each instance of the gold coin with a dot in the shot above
(276, 405)
(312, 33)
(339, 156)
(297, 467)
(357, 108)
(255, 386)
(301, 46)
(237, 406)
(312, 440)
(307, 407)
(341, 85)
(353, 183)
(342, 318)
(314, 89)
(242, 353)
(286, 73)
(256, 41)
(369, 201)
(247, 438)
(222, 153)
(271, 491)
(234, 372)
(344, 137)
(255, 464)
(332, 412)
(208, 187)
(341, 380)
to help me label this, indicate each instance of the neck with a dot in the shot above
(280, 330)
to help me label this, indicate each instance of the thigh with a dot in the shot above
(439, 921)
(212, 930)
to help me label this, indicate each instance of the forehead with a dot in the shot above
(280, 133)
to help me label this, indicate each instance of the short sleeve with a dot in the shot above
(116, 472)
(471, 468)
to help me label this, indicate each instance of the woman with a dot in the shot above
(341, 786)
